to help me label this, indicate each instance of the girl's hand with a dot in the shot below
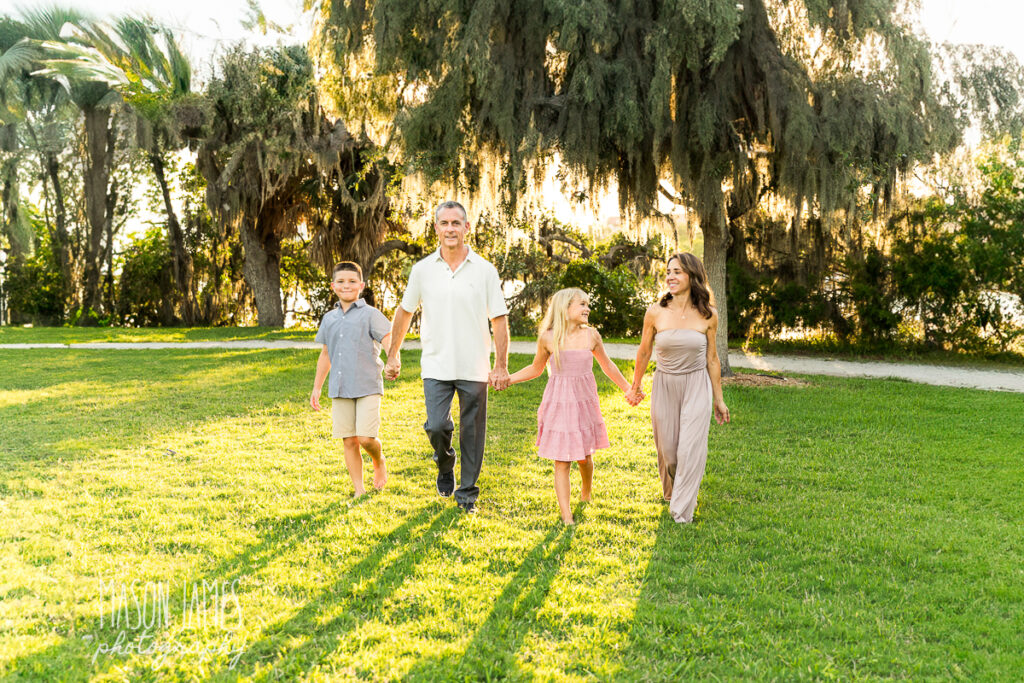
(634, 397)
(721, 412)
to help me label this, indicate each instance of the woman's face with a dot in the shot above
(579, 311)
(676, 279)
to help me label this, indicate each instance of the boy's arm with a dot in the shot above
(399, 327)
(323, 366)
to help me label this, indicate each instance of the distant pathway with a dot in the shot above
(993, 380)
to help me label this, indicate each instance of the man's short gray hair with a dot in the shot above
(451, 204)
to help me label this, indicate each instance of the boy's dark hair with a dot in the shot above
(367, 294)
(347, 265)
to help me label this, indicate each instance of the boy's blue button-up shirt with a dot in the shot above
(353, 343)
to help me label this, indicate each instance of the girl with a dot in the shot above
(569, 423)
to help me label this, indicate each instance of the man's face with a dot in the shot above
(347, 285)
(451, 227)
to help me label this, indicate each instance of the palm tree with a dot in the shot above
(35, 112)
(96, 100)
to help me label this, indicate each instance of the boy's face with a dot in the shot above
(347, 285)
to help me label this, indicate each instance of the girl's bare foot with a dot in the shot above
(584, 496)
(568, 522)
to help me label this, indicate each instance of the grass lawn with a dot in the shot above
(81, 335)
(847, 529)
(896, 353)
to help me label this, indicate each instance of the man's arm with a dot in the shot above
(499, 375)
(399, 327)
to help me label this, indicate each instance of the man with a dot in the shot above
(460, 292)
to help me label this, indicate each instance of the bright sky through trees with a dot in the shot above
(205, 24)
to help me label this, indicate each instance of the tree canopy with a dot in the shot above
(809, 100)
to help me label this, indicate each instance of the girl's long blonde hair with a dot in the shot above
(556, 318)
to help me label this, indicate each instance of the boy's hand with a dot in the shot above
(392, 368)
(314, 400)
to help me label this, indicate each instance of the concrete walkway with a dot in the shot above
(993, 380)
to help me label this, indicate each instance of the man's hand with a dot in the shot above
(314, 399)
(498, 379)
(392, 368)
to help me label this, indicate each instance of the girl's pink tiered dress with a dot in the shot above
(569, 422)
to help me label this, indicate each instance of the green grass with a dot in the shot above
(849, 529)
(824, 347)
(829, 347)
(80, 335)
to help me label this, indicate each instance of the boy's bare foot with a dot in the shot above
(585, 497)
(380, 474)
(568, 521)
(359, 493)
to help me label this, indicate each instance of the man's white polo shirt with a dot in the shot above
(456, 309)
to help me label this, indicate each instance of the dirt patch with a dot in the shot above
(763, 379)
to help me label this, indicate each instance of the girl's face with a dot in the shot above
(676, 279)
(579, 311)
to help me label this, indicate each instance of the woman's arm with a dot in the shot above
(643, 352)
(607, 366)
(715, 371)
(534, 369)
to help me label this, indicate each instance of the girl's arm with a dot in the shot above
(643, 352)
(715, 371)
(534, 369)
(610, 369)
(323, 366)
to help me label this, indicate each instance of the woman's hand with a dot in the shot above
(634, 396)
(721, 411)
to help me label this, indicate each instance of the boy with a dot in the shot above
(352, 334)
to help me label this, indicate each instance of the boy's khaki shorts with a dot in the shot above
(356, 416)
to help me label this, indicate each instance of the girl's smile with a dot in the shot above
(579, 311)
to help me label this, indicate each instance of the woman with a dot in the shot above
(681, 327)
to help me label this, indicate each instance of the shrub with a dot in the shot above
(145, 279)
(34, 289)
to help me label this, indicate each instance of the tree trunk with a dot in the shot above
(97, 173)
(262, 270)
(60, 240)
(181, 260)
(716, 246)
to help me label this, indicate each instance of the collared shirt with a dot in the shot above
(353, 345)
(457, 306)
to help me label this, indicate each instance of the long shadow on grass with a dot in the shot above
(71, 658)
(491, 654)
(656, 622)
(359, 595)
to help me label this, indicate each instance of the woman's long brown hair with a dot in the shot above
(701, 295)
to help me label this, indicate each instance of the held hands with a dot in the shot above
(392, 368)
(634, 396)
(721, 412)
(499, 379)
